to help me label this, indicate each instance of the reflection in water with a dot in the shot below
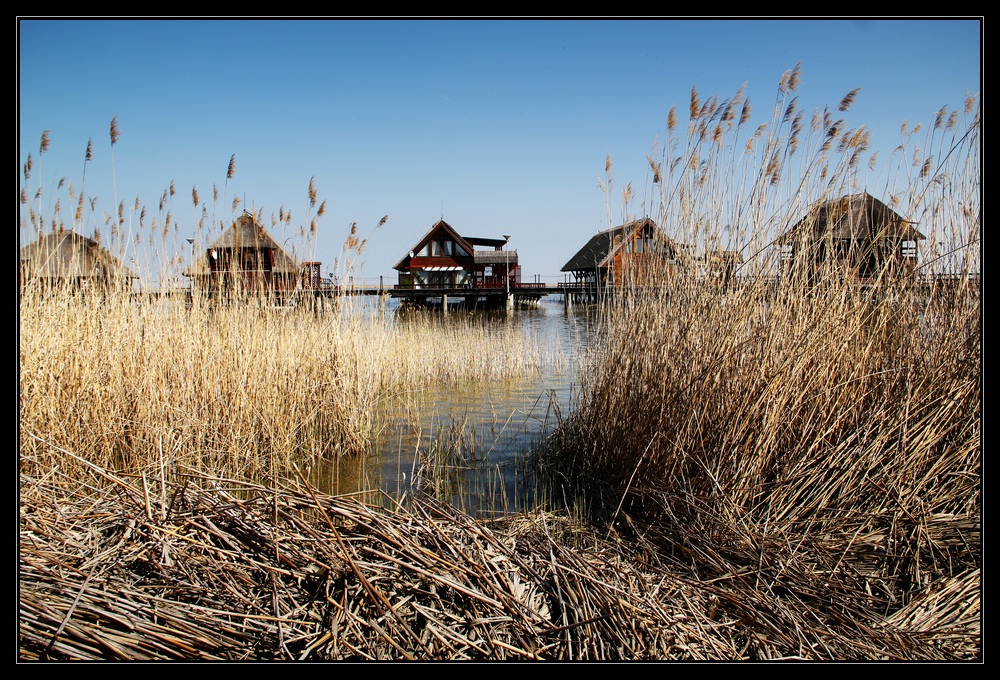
(462, 442)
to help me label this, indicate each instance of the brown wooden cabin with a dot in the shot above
(444, 259)
(65, 259)
(636, 252)
(246, 261)
(856, 237)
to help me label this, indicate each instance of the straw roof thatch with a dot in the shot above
(495, 256)
(65, 254)
(857, 217)
(246, 232)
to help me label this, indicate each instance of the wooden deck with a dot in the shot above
(571, 292)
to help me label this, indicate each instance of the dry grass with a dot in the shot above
(236, 390)
(766, 473)
(138, 568)
(825, 445)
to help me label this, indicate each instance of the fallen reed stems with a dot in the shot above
(205, 568)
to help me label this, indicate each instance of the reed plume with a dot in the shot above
(848, 100)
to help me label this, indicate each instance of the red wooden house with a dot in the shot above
(637, 252)
(444, 259)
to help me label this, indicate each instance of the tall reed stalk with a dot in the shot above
(129, 378)
(834, 432)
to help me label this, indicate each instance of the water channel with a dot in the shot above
(465, 444)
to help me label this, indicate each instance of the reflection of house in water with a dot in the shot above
(856, 237)
(637, 252)
(65, 259)
(247, 261)
(443, 259)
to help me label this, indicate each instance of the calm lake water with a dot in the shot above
(464, 442)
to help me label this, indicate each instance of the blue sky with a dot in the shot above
(496, 126)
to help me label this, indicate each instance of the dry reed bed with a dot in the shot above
(239, 391)
(776, 477)
(115, 567)
(824, 449)
(819, 439)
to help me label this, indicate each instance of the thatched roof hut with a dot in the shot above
(246, 259)
(245, 234)
(64, 257)
(858, 233)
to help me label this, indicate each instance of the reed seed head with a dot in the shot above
(43, 146)
(232, 167)
(970, 102)
(793, 79)
(848, 99)
(655, 167)
(790, 109)
(115, 133)
(939, 117)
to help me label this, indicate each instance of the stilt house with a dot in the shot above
(444, 259)
(856, 237)
(64, 258)
(247, 261)
(636, 251)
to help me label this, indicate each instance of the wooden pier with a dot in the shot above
(529, 294)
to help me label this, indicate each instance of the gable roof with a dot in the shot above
(440, 225)
(858, 217)
(64, 254)
(246, 232)
(598, 251)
